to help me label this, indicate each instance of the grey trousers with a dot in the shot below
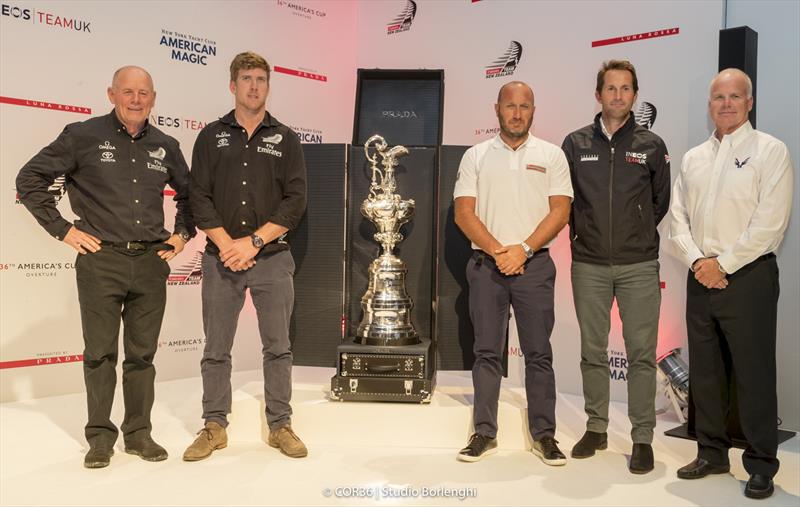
(638, 294)
(531, 296)
(223, 294)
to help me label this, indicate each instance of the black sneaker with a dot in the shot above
(478, 447)
(547, 449)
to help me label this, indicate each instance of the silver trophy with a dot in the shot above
(386, 305)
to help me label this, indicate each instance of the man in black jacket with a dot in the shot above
(116, 167)
(620, 174)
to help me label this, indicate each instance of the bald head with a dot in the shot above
(732, 75)
(130, 71)
(132, 94)
(513, 86)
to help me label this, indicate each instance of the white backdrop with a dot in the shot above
(316, 47)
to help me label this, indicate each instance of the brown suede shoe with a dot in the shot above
(209, 439)
(290, 444)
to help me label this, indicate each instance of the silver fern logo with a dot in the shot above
(507, 62)
(645, 115)
(402, 22)
(189, 273)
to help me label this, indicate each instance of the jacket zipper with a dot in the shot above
(610, 209)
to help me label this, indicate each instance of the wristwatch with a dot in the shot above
(257, 241)
(528, 250)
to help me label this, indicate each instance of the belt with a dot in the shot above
(131, 245)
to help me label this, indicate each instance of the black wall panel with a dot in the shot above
(318, 250)
(453, 326)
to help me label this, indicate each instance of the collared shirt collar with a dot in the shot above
(498, 142)
(230, 119)
(121, 126)
(600, 127)
(734, 138)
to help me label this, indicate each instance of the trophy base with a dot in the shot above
(381, 373)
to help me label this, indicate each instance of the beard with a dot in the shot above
(514, 133)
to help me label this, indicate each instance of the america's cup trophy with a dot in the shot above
(386, 305)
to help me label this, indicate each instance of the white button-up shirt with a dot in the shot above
(512, 187)
(732, 198)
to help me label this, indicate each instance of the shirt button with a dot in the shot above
(133, 160)
(244, 183)
(131, 140)
(244, 202)
(245, 164)
(138, 222)
(246, 145)
(136, 201)
(244, 223)
(134, 180)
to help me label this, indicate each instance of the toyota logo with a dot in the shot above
(107, 155)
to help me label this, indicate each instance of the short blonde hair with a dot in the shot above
(246, 61)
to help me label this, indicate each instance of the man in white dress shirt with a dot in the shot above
(730, 209)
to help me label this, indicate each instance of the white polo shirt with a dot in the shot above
(512, 187)
(732, 198)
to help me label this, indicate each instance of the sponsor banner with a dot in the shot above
(42, 361)
(36, 269)
(49, 19)
(300, 73)
(666, 32)
(188, 48)
(308, 135)
(303, 11)
(188, 273)
(53, 106)
(505, 64)
(617, 365)
(402, 22)
(176, 122)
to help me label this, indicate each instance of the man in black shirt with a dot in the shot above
(248, 189)
(115, 168)
(620, 173)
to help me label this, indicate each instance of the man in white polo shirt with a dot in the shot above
(512, 197)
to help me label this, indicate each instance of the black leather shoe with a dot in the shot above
(759, 487)
(146, 449)
(478, 447)
(699, 468)
(590, 441)
(547, 449)
(641, 459)
(98, 457)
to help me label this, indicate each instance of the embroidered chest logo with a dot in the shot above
(158, 154)
(537, 168)
(222, 139)
(632, 157)
(270, 142)
(107, 156)
(741, 164)
(107, 146)
(590, 157)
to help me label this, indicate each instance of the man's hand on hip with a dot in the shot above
(81, 241)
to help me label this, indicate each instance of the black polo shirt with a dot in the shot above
(115, 182)
(240, 184)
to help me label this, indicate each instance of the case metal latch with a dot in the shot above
(408, 384)
(353, 385)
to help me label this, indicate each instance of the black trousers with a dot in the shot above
(531, 295)
(738, 322)
(114, 283)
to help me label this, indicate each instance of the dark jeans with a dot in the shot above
(272, 290)
(739, 322)
(531, 295)
(116, 282)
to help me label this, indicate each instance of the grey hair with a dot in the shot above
(734, 71)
